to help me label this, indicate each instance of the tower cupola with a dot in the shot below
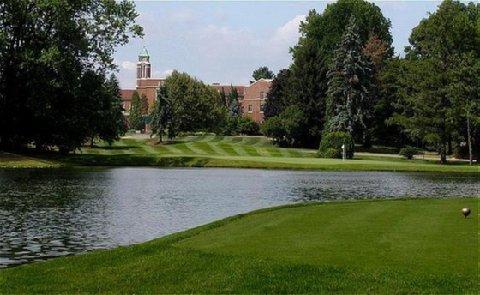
(144, 69)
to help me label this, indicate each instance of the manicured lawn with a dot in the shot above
(228, 151)
(404, 246)
(8, 160)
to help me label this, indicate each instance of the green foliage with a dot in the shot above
(332, 142)
(465, 92)
(278, 96)
(241, 126)
(162, 116)
(349, 102)
(409, 152)
(286, 127)
(392, 85)
(136, 116)
(262, 73)
(110, 123)
(312, 57)
(445, 48)
(55, 47)
(233, 105)
(247, 126)
(192, 106)
(450, 31)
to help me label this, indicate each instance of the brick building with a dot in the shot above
(251, 98)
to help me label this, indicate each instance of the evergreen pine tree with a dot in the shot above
(162, 116)
(135, 116)
(233, 107)
(349, 85)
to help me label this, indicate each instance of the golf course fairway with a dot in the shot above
(397, 246)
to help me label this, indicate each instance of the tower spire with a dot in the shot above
(143, 66)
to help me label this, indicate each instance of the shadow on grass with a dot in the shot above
(125, 147)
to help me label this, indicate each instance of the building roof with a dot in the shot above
(227, 88)
(127, 94)
(261, 80)
(144, 52)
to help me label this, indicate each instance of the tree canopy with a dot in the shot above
(189, 105)
(444, 51)
(320, 35)
(54, 54)
(262, 73)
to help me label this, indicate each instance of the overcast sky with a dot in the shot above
(225, 41)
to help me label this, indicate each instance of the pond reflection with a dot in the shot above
(49, 213)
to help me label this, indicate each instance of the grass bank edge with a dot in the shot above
(168, 240)
(313, 164)
(172, 161)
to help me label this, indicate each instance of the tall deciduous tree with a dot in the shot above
(162, 116)
(426, 112)
(113, 124)
(349, 102)
(438, 43)
(465, 92)
(193, 106)
(262, 73)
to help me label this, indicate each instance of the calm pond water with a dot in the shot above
(49, 213)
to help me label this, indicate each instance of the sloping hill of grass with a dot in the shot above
(403, 246)
(207, 145)
(232, 151)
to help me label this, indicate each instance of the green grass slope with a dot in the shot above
(404, 246)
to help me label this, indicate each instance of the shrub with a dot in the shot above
(408, 152)
(331, 145)
(231, 127)
(247, 126)
(285, 127)
(244, 126)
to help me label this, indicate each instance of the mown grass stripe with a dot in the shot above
(184, 148)
(203, 147)
(228, 148)
(217, 150)
(169, 149)
(251, 151)
(274, 152)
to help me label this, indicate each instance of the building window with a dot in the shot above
(263, 95)
(262, 107)
(249, 108)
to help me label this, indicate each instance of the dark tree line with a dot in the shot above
(55, 60)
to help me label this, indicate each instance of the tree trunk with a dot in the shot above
(469, 139)
(443, 154)
(160, 138)
(91, 142)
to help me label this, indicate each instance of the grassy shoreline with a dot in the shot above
(220, 151)
(313, 164)
(396, 246)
